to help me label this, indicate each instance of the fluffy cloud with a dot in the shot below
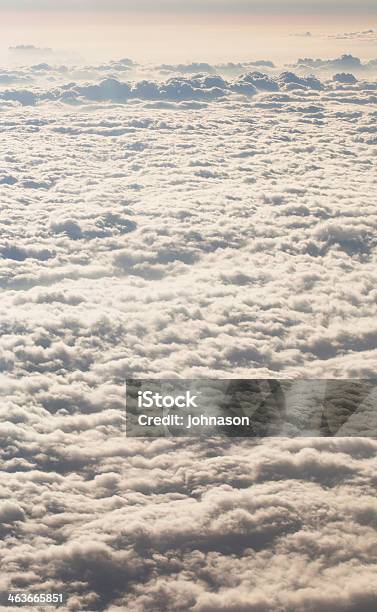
(202, 525)
(180, 227)
(248, 247)
(345, 62)
(178, 88)
(345, 77)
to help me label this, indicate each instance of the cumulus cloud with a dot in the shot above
(202, 525)
(200, 225)
(96, 226)
(203, 87)
(345, 77)
(346, 62)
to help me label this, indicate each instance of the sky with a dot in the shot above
(186, 30)
(248, 6)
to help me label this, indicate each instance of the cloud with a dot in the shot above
(178, 227)
(159, 522)
(346, 62)
(24, 97)
(363, 35)
(30, 50)
(29, 54)
(292, 81)
(201, 87)
(125, 229)
(345, 77)
(193, 68)
(10, 513)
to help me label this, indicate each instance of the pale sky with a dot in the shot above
(229, 6)
(192, 30)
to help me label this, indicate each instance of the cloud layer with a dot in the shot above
(203, 525)
(198, 225)
(217, 224)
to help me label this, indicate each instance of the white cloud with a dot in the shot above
(178, 227)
